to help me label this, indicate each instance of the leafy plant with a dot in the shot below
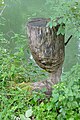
(27, 115)
(64, 103)
(15, 62)
(16, 73)
(16, 97)
(66, 12)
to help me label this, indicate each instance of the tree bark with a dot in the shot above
(47, 84)
(48, 50)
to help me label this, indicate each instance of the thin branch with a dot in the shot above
(2, 10)
(68, 40)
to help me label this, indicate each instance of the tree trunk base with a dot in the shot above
(47, 84)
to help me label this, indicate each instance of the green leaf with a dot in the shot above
(55, 97)
(14, 108)
(13, 68)
(54, 23)
(61, 97)
(51, 24)
(28, 113)
(22, 117)
(61, 30)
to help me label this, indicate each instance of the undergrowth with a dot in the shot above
(17, 102)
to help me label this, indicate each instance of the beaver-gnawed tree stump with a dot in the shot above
(48, 50)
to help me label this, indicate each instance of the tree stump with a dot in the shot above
(48, 50)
